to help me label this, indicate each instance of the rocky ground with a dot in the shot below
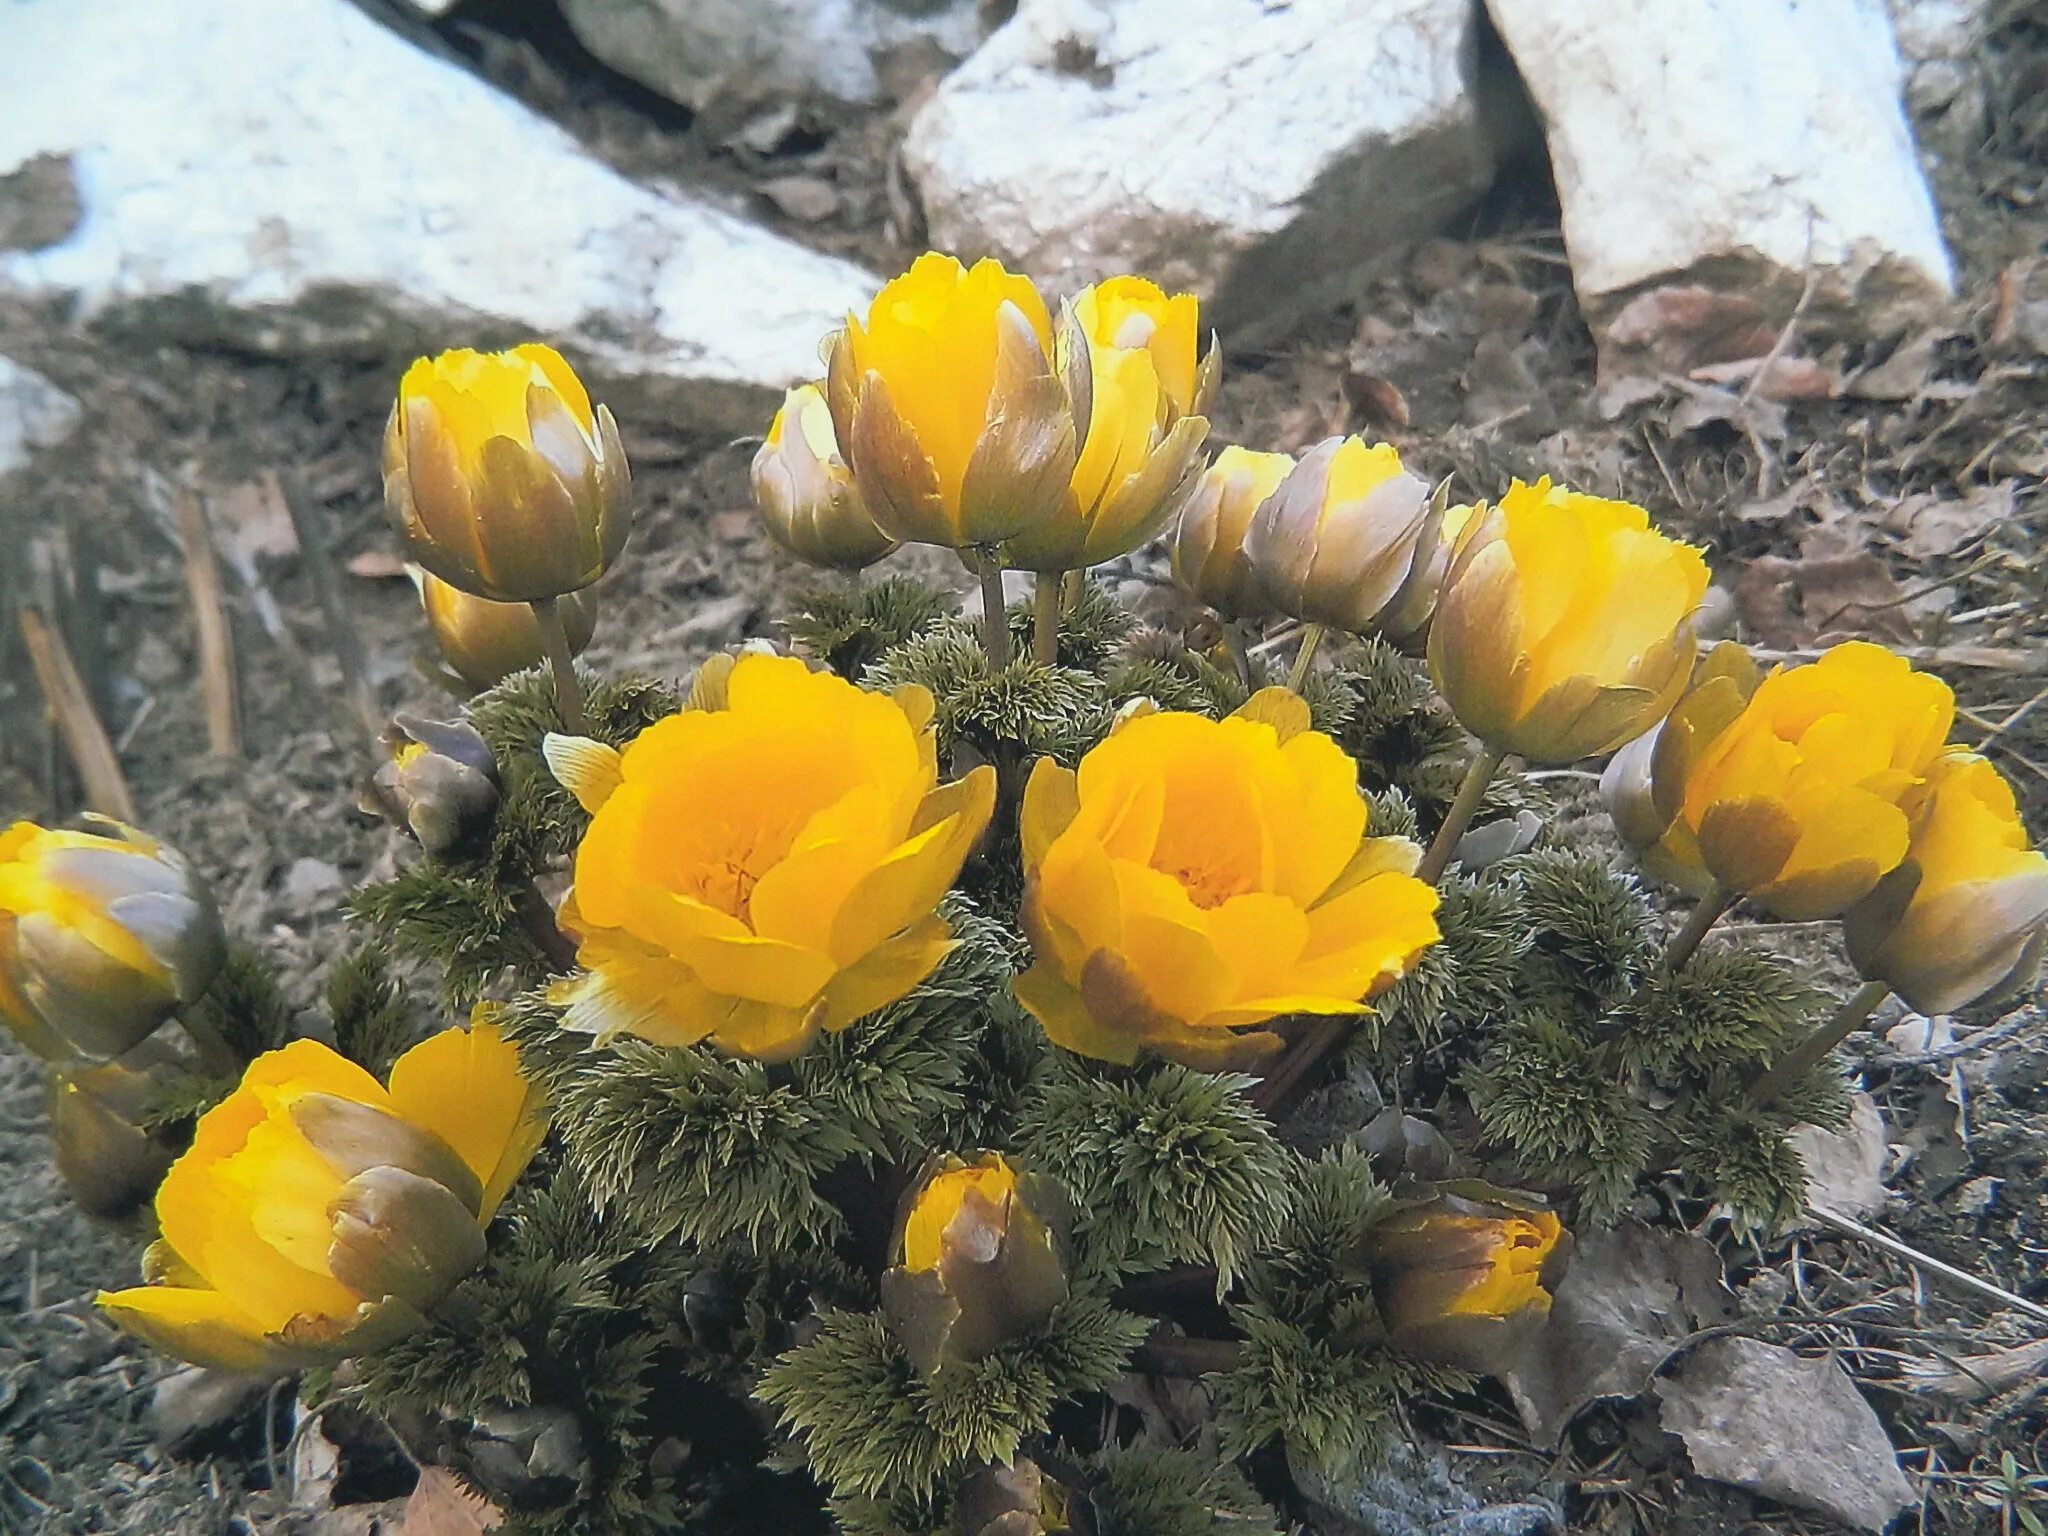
(1887, 488)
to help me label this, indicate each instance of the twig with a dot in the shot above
(85, 738)
(216, 642)
(1784, 335)
(2018, 1022)
(341, 629)
(1926, 1262)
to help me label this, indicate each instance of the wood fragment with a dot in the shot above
(85, 738)
(342, 635)
(216, 641)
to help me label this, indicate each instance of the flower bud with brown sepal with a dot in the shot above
(979, 1260)
(485, 641)
(439, 781)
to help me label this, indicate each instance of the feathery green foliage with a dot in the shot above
(1155, 665)
(1166, 1164)
(1026, 709)
(874, 1428)
(848, 622)
(1165, 1491)
(1317, 1373)
(372, 1017)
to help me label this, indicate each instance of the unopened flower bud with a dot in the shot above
(501, 476)
(980, 1261)
(109, 1165)
(1350, 540)
(1014, 1500)
(485, 641)
(806, 493)
(438, 780)
(1463, 1279)
(102, 935)
(1207, 547)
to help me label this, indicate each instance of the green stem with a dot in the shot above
(1813, 1050)
(1311, 638)
(1072, 587)
(995, 617)
(1045, 625)
(1459, 816)
(1709, 912)
(1240, 656)
(547, 612)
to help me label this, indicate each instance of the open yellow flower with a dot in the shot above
(318, 1214)
(1351, 540)
(764, 865)
(1965, 910)
(806, 494)
(1461, 1279)
(1643, 784)
(485, 641)
(1196, 878)
(102, 935)
(1564, 626)
(501, 476)
(945, 402)
(1208, 547)
(1795, 802)
(1142, 448)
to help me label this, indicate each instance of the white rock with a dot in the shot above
(1732, 144)
(1261, 155)
(287, 174)
(34, 413)
(693, 51)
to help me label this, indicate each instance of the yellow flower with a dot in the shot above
(1135, 313)
(1963, 914)
(1198, 877)
(1643, 784)
(944, 401)
(1142, 448)
(1351, 540)
(979, 1262)
(806, 493)
(765, 865)
(501, 477)
(1209, 559)
(1794, 802)
(318, 1214)
(1462, 1280)
(1565, 623)
(485, 641)
(102, 935)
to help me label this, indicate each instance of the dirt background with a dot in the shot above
(1898, 497)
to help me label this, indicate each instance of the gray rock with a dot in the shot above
(34, 413)
(698, 51)
(1790, 1428)
(1731, 146)
(1262, 156)
(286, 175)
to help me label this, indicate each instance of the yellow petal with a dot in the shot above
(588, 769)
(466, 1087)
(201, 1327)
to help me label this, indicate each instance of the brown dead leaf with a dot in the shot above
(1374, 400)
(1678, 329)
(441, 1506)
(1792, 603)
(375, 565)
(1931, 524)
(735, 526)
(253, 519)
(810, 199)
(1787, 378)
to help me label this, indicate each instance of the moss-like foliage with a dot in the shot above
(872, 1427)
(696, 1144)
(1161, 1491)
(848, 622)
(1317, 1374)
(369, 1011)
(1155, 665)
(1023, 711)
(1166, 1165)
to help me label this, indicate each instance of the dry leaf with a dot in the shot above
(1680, 328)
(1974, 1378)
(1630, 1298)
(810, 199)
(1845, 1168)
(1788, 604)
(1796, 1430)
(1374, 400)
(441, 1506)
(254, 520)
(1787, 378)
(1933, 524)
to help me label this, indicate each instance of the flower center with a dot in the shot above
(1209, 885)
(728, 885)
